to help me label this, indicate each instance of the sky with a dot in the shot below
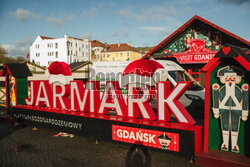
(140, 22)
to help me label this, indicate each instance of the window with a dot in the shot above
(76, 53)
(48, 45)
(71, 52)
(120, 54)
(79, 49)
(128, 54)
(113, 59)
(56, 45)
(68, 52)
(48, 53)
(56, 54)
(182, 76)
(76, 44)
(104, 55)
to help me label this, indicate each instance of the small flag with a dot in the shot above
(28, 55)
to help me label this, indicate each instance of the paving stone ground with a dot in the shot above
(20, 146)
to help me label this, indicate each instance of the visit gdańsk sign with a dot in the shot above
(197, 53)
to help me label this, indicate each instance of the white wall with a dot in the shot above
(46, 52)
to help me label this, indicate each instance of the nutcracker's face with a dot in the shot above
(230, 78)
(164, 142)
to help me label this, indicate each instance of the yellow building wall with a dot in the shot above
(135, 55)
(116, 56)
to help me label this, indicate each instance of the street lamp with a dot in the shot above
(89, 59)
(68, 51)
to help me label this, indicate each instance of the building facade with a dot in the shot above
(114, 52)
(97, 48)
(120, 52)
(194, 44)
(46, 50)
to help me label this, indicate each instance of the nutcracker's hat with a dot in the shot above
(230, 69)
(164, 136)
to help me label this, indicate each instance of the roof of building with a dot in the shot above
(43, 37)
(194, 20)
(75, 38)
(96, 43)
(36, 65)
(118, 48)
(17, 70)
(76, 65)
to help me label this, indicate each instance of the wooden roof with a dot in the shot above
(230, 51)
(76, 65)
(17, 70)
(194, 20)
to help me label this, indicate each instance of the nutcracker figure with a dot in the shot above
(230, 103)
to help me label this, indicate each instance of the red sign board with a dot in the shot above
(146, 137)
(197, 53)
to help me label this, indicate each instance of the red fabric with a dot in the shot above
(28, 55)
(57, 67)
(143, 67)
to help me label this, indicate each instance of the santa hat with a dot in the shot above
(144, 71)
(59, 72)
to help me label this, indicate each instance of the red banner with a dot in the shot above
(197, 53)
(146, 137)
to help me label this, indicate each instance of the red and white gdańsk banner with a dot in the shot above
(146, 137)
